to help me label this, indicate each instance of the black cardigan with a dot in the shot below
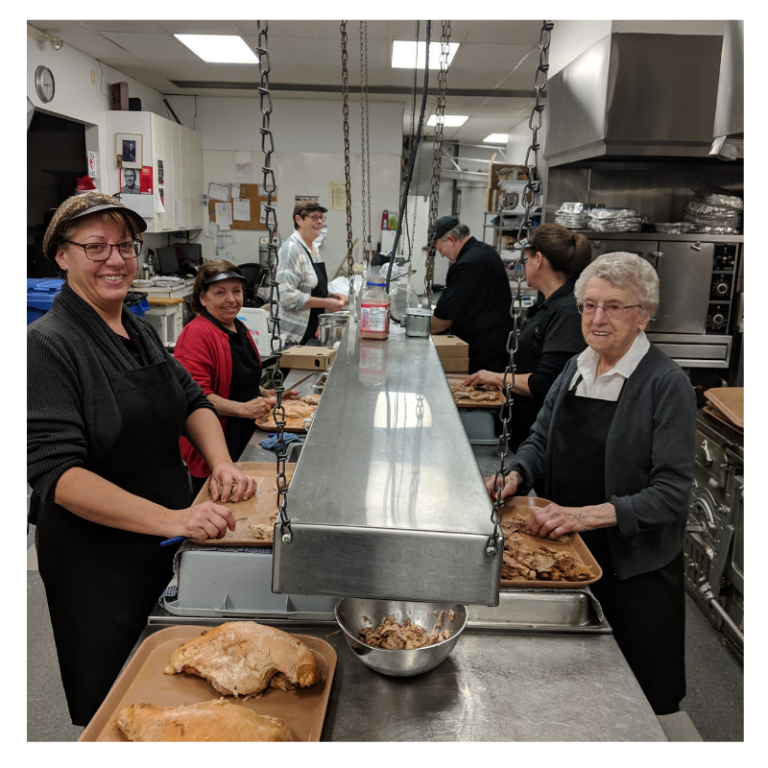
(649, 461)
(73, 417)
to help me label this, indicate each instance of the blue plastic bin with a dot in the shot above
(42, 291)
(40, 295)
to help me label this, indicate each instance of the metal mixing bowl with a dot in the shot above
(354, 613)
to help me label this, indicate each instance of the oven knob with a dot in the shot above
(717, 320)
(721, 288)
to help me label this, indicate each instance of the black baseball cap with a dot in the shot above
(444, 225)
(228, 275)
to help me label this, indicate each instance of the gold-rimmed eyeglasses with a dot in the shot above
(611, 308)
(129, 249)
(317, 218)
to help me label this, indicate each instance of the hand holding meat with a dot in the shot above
(204, 521)
(511, 483)
(228, 483)
(485, 378)
(290, 394)
(554, 521)
(256, 408)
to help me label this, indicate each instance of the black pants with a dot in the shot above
(647, 614)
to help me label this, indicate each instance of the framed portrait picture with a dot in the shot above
(129, 147)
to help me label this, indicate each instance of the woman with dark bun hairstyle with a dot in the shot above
(551, 334)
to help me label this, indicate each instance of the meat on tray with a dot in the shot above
(310, 399)
(243, 657)
(395, 636)
(480, 393)
(524, 560)
(217, 720)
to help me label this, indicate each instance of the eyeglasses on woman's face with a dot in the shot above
(128, 249)
(317, 217)
(611, 308)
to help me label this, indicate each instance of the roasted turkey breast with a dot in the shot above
(243, 657)
(217, 720)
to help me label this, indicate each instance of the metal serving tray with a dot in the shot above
(537, 610)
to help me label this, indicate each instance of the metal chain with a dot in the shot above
(270, 215)
(515, 310)
(442, 75)
(365, 143)
(347, 179)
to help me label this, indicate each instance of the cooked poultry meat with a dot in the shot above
(242, 657)
(518, 522)
(262, 533)
(310, 399)
(217, 720)
(396, 636)
(523, 560)
(295, 410)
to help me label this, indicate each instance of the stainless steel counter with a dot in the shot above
(493, 687)
(387, 500)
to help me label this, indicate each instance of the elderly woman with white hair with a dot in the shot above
(613, 447)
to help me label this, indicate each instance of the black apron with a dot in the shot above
(101, 582)
(320, 291)
(646, 612)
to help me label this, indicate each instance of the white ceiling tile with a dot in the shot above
(56, 27)
(290, 50)
(197, 27)
(95, 45)
(486, 57)
(124, 26)
(279, 28)
(163, 47)
(503, 31)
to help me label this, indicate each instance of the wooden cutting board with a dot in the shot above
(256, 510)
(729, 401)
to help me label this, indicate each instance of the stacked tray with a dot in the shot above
(142, 682)
(454, 381)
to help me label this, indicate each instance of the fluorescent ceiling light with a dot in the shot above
(497, 138)
(404, 54)
(449, 121)
(219, 49)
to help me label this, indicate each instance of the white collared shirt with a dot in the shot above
(608, 385)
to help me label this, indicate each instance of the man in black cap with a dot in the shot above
(476, 301)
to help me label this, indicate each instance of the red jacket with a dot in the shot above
(203, 349)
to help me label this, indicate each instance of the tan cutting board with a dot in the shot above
(497, 403)
(525, 506)
(729, 401)
(143, 682)
(257, 509)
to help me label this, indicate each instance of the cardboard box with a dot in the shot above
(449, 346)
(308, 358)
(455, 364)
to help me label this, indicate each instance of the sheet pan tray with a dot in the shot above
(541, 610)
(142, 682)
(524, 506)
(257, 509)
(493, 404)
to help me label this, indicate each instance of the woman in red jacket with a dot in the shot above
(222, 358)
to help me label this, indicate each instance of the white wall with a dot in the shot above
(77, 98)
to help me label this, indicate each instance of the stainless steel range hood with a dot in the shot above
(729, 113)
(635, 95)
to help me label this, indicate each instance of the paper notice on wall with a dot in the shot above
(338, 195)
(229, 249)
(225, 246)
(93, 164)
(263, 212)
(243, 165)
(224, 216)
(211, 228)
(159, 207)
(242, 210)
(235, 190)
(142, 204)
(218, 191)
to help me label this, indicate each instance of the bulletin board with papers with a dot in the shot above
(243, 210)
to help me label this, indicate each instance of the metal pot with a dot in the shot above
(332, 327)
(418, 322)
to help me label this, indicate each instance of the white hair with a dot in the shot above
(623, 270)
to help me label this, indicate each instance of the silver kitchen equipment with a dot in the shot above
(398, 508)
(418, 322)
(353, 614)
(332, 327)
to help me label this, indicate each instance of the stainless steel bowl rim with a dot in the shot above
(400, 650)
